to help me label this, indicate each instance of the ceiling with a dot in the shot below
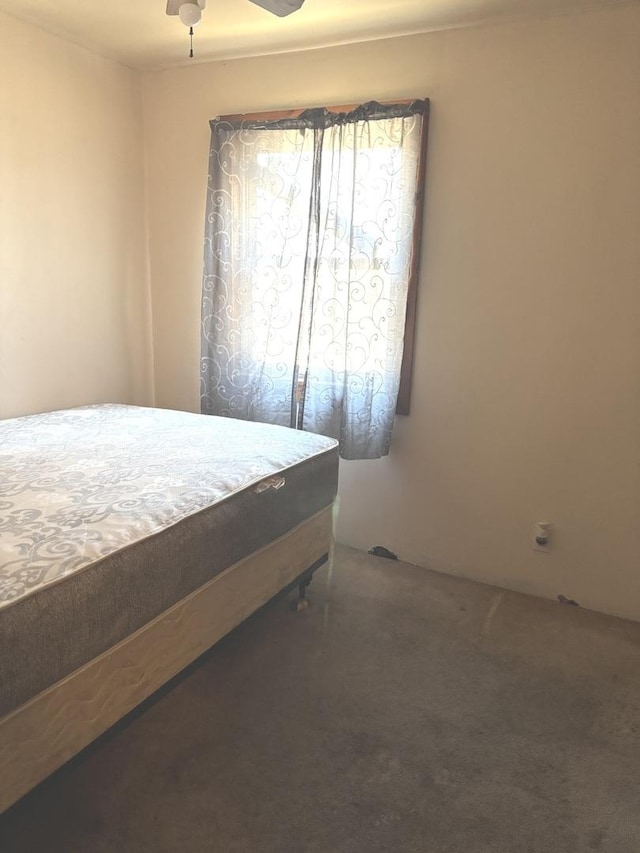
(138, 33)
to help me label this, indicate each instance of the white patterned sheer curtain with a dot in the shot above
(308, 243)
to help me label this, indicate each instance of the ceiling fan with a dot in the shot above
(278, 7)
(190, 11)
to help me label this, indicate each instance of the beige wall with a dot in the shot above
(527, 392)
(74, 306)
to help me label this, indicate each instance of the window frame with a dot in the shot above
(403, 405)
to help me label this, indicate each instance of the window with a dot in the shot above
(311, 260)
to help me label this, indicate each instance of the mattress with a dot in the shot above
(111, 514)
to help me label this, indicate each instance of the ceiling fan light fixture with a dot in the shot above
(190, 14)
(190, 11)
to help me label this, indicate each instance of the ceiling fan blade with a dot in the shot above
(279, 7)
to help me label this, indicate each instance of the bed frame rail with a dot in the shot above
(40, 736)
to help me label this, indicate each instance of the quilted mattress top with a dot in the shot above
(79, 484)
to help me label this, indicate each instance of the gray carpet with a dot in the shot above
(403, 711)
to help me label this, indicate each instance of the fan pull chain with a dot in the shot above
(191, 42)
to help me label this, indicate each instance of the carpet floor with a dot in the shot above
(403, 711)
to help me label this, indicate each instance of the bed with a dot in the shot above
(131, 540)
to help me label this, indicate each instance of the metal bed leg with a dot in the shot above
(303, 602)
(303, 581)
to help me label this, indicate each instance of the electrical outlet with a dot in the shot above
(542, 537)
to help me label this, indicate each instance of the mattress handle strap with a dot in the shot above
(270, 483)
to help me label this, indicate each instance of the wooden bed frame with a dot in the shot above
(55, 725)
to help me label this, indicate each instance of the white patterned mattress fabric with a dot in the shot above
(80, 484)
